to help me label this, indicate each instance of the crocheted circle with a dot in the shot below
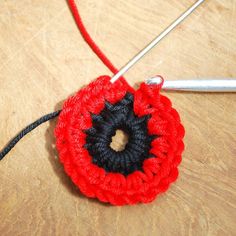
(149, 162)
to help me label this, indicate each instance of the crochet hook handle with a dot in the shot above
(198, 85)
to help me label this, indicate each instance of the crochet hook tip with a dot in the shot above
(155, 80)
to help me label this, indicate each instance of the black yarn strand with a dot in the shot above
(26, 130)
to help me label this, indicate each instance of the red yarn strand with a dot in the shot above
(88, 38)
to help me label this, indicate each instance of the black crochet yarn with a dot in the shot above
(99, 137)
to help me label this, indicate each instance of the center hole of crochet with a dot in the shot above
(119, 140)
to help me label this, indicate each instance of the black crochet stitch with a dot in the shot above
(113, 117)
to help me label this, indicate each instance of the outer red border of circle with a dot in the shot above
(117, 189)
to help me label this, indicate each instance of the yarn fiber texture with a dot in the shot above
(147, 165)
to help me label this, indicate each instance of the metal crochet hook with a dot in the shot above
(197, 85)
(155, 41)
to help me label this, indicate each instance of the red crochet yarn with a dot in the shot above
(88, 38)
(158, 171)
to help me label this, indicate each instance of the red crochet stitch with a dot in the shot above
(115, 188)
